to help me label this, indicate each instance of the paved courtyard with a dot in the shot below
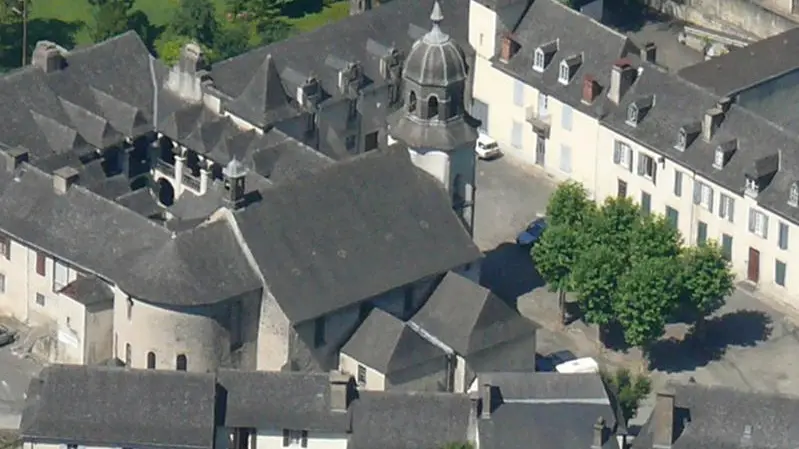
(15, 375)
(750, 344)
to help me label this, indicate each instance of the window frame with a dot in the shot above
(780, 276)
(5, 247)
(564, 73)
(538, 60)
(783, 238)
(566, 117)
(41, 263)
(518, 93)
(361, 378)
(678, 181)
(727, 207)
(41, 300)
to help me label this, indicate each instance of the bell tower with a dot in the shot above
(433, 122)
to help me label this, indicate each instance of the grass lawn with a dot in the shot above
(77, 12)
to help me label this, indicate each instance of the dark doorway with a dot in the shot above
(166, 193)
(182, 363)
(151, 360)
(753, 270)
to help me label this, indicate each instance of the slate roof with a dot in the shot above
(745, 67)
(384, 343)
(678, 103)
(111, 407)
(548, 21)
(394, 420)
(102, 237)
(560, 409)
(719, 415)
(89, 291)
(279, 400)
(354, 230)
(469, 318)
(364, 38)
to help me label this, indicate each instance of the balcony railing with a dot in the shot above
(191, 182)
(165, 167)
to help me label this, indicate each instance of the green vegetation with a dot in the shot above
(628, 389)
(224, 28)
(628, 269)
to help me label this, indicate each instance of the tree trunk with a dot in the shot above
(562, 306)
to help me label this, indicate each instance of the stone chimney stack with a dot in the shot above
(64, 178)
(48, 57)
(339, 391)
(711, 123)
(622, 77)
(590, 89)
(508, 49)
(186, 78)
(599, 434)
(14, 158)
(649, 52)
(486, 400)
(663, 436)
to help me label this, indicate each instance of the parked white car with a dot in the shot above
(486, 147)
(581, 365)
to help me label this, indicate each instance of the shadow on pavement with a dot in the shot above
(741, 328)
(508, 271)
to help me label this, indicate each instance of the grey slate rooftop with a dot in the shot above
(111, 407)
(352, 231)
(679, 104)
(89, 291)
(470, 319)
(386, 344)
(745, 67)
(718, 418)
(391, 420)
(560, 409)
(548, 23)
(277, 400)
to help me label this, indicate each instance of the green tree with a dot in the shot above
(569, 205)
(653, 236)
(706, 281)
(648, 293)
(233, 39)
(111, 17)
(196, 19)
(168, 47)
(628, 389)
(554, 256)
(594, 280)
(614, 223)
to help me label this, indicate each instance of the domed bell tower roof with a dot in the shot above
(433, 115)
(436, 59)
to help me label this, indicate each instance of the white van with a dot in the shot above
(486, 147)
(582, 365)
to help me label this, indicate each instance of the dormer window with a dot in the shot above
(632, 115)
(682, 140)
(687, 134)
(752, 186)
(563, 74)
(724, 153)
(538, 62)
(718, 159)
(793, 197)
(568, 67)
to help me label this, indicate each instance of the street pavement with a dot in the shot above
(15, 375)
(750, 342)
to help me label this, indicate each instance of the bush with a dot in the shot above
(628, 389)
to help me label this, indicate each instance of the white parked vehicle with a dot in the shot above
(582, 365)
(486, 147)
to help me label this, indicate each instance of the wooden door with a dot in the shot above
(753, 270)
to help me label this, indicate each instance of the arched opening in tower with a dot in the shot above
(432, 107)
(166, 193)
(412, 102)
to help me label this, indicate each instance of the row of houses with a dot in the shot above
(711, 147)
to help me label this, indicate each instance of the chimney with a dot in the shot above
(590, 89)
(15, 157)
(622, 77)
(599, 434)
(508, 49)
(663, 436)
(234, 174)
(339, 391)
(711, 122)
(47, 56)
(64, 178)
(486, 400)
(649, 52)
(724, 104)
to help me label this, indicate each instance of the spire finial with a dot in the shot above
(436, 16)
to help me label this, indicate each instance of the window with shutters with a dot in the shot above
(726, 207)
(758, 223)
(677, 183)
(621, 189)
(361, 375)
(783, 237)
(543, 105)
(565, 159)
(516, 135)
(41, 261)
(703, 195)
(296, 438)
(518, 93)
(623, 155)
(726, 246)
(701, 233)
(5, 247)
(566, 117)
(779, 273)
(60, 275)
(646, 166)
(646, 202)
(673, 217)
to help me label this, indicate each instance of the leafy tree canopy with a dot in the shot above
(569, 205)
(196, 19)
(555, 254)
(648, 293)
(706, 280)
(653, 236)
(614, 224)
(629, 389)
(594, 280)
(111, 17)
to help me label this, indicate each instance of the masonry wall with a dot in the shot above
(375, 381)
(99, 334)
(273, 439)
(731, 16)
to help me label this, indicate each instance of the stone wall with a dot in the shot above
(737, 17)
